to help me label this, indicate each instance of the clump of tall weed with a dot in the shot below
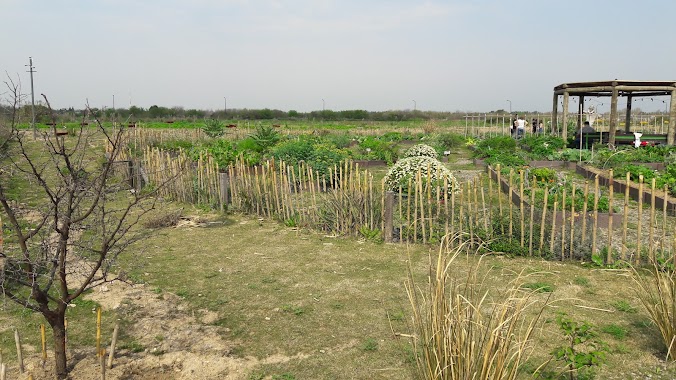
(461, 331)
(656, 290)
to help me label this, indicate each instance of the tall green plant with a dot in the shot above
(265, 137)
(583, 351)
(213, 128)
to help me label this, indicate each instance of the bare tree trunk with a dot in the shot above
(59, 333)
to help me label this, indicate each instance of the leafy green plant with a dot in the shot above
(265, 137)
(222, 151)
(450, 141)
(370, 234)
(213, 128)
(542, 147)
(542, 174)
(373, 149)
(495, 145)
(583, 350)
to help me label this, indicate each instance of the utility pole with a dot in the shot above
(225, 106)
(114, 111)
(31, 70)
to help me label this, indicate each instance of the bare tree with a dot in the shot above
(86, 215)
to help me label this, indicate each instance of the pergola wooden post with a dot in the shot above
(614, 89)
(613, 116)
(671, 129)
(627, 117)
(580, 111)
(564, 121)
(555, 111)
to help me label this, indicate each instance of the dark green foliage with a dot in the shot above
(635, 171)
(494, 146)
(264, 138)
(450, 141)
(542, 147)
(392, 136)
(507, 159)
(371, 148)
(222, 151)
(213, 128)
(312, 151)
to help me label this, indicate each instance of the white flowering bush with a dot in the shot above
(406, 168)
(421, 150)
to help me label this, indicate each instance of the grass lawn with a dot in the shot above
(332, 304)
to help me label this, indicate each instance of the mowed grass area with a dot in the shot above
(332, 304)
(280, 291)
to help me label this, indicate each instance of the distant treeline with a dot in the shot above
(179, 113)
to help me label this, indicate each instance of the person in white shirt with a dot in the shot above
(520, 127)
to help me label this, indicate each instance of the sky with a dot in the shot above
(305, 55)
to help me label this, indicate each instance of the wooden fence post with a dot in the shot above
(224, 180)
(389, 211)
(19, 353)
(130, 173)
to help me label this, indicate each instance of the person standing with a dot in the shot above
(520, 127)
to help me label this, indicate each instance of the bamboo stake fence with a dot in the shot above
(346, 200)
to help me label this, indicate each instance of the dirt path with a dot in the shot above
(178, 344)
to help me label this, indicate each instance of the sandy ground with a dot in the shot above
(190, 347)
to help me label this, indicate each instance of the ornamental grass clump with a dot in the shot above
(461, 331)
(657, 292)
(425, 169)
(421, 150)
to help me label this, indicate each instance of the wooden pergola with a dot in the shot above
(614, 89)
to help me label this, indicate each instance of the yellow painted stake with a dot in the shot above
(98, 331)
(43, 338)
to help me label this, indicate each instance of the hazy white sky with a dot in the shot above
(369, 54)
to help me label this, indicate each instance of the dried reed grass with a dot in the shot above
(461, 330)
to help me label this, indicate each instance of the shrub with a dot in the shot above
(264, 138)
(495, 145)
(406, 168)
(318, 155)
(374, 149)
(507, 159)
(222, 151)
(213, 128)
(542, 146)
(539, 174)
(447, 141)
(421, 150)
